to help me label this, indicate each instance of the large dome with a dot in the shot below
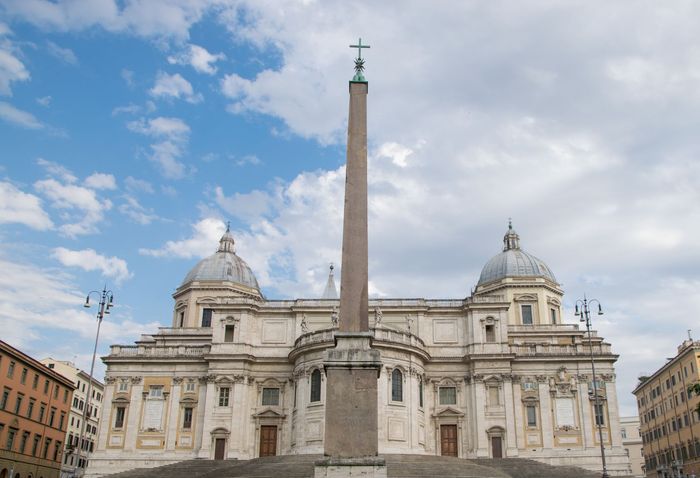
(514, 262)
(224, 265)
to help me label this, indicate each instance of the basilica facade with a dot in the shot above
(496, 374)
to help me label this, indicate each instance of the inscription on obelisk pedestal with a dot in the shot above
(352, 366)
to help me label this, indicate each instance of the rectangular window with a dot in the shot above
(65, 396)
(448, 396)
(228, 333)
(206, 317)
(52, 415)
(526, 314)
(181, 319)
(531, 415)
(10, 438)
(420, 393)
(30, 407)
(271, 396)
(61, 420)
(155, 391)
(490, 333)
(187, 418)
(56, 450)
(47, 444)
(18, 403)
(599, 414)
(119, 417)
(494, 397)
(624, 432)
(55, 392)
(46, 387)
(5, 398)
(123, 386)
(23, 442)
(223, 396)
(35, 382)
(189, 386)
(553, 315)
(10, 370)
(35, 445)
(23, 377)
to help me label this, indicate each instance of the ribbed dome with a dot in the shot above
(224, 265)
(514, 262)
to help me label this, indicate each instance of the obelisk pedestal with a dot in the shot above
(352, 366)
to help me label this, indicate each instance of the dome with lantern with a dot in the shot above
(514, 262)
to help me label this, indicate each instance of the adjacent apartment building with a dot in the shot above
(75, 455)
(670, 423)
(34, 408)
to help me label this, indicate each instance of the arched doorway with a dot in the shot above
(3, 473)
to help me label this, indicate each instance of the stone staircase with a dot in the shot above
(398, 466)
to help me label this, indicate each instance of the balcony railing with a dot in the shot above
(117, 351)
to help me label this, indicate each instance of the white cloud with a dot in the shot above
(19, 117)
(250, 206)
(173, 135)
(89, 260)
(22, 208)
(174, 86)
(203, 242)
(138, 185)
(197, 57)
(101, 181)
(396, 152)
(66, 55)
(136, 212)
(35, 325)
(44, 101)
(11, 68)
(154, 18)
(81, 207)
(248, 159)
(128, 77)
(160, 127)
(57, 170)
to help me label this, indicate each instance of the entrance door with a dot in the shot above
(268, 440)
(496, 449)
(448, 440)
(219, 448)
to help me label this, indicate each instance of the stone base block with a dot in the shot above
(372, 467)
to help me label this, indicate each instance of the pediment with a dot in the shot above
(448, 412)
(269, 413)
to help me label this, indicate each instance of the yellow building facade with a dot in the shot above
(670, 424)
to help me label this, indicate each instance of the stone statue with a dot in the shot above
(409, 322)
(304, 324)
(335, 320)
(377, 316)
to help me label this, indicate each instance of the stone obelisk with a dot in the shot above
(352, 366)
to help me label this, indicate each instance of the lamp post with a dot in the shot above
(583, 311)
(106, 302)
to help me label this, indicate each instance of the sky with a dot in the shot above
(131, 131)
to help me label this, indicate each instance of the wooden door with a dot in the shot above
(496, 448)
(448, 440)
(220, 449)
(268, 440)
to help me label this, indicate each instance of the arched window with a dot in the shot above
(316, 386)
(396, 386)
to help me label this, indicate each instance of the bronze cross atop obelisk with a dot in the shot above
(359, 62)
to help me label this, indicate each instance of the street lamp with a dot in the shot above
(583, 311)
(106, 302)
